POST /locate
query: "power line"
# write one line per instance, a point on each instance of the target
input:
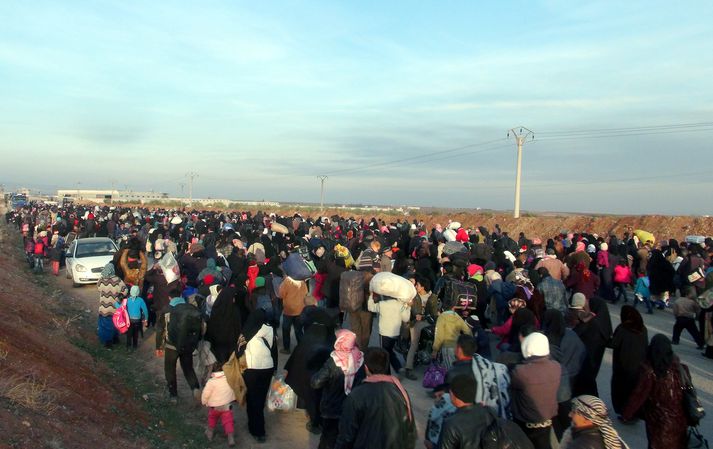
(632, 128)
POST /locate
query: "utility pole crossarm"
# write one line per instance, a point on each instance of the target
(521, 134)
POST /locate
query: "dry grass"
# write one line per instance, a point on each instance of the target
(66, 323)
(29, 392)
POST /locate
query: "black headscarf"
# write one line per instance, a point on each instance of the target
(554, 326)
(223, 326)
(521, 318)
(253, 324)
(660, 354)
(631, 319)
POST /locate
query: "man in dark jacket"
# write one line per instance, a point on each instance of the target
(463, 430)
(423, 305)
(466, 346)
(534, 385)
(167, 349)
(377, 414)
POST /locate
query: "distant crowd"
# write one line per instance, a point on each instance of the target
(226, 292)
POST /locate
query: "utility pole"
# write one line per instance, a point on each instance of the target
(190, 176)
(113, 190)
(321, 194)
(182, 185)
(521, 135)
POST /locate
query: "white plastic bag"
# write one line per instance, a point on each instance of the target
(281, 396)
(170, 269)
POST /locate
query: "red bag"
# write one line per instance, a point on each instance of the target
(121, 318)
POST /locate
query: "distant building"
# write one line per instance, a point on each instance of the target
(100, 196)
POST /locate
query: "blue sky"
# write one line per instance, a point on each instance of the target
(259, 98)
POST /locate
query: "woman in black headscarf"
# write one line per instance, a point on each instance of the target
(661, 273)
(307, 358)
(223, 326)
(629, 343)
(257, 342)
(659, 395)
(567, 349)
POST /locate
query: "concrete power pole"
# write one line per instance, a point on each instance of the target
(521, 135)
(190, 176)
(321, 194)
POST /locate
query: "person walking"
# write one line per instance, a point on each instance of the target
(111, 290)
(659, 395)
(534, 385)
(138, 314)
(591, 426)
(423, 306)
(293, 293)
(342, 371)
(377, 414)
(167, 348)
(257, 342)
(686, 310)
(218, 397)
(629, 343)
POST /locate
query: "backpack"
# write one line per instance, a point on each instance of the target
(462, 295)
(351, 291)
(120, 318)
(184, 327)
(504, 434)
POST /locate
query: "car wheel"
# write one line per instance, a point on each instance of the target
(76, 285)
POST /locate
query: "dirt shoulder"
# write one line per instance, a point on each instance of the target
(58, 387)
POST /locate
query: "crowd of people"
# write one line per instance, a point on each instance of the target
(220, 287)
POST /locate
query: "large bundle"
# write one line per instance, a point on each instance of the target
(454, 225)
(393, 286)
(696, 239)
(449, 235)
(454, 247)
(279, 228)
(351, 291)
(296, 267)
(644, 236)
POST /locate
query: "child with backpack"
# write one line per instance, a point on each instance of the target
(39, 254)
(138, 314)
(218, 397)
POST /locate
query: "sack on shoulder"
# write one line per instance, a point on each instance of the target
(233, 370)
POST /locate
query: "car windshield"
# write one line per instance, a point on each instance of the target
(95, 249)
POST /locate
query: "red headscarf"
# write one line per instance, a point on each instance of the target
(347, 357)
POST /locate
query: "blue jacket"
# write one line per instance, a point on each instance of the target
(135, 306)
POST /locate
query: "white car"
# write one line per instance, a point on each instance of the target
(86, 258)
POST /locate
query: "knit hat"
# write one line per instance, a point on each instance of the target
(490, 266)
(604, 247)
(535, 345)
(259, 282)
(134, 291)
(578, 301)
(474, 268)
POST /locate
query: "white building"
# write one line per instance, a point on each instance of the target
(100, 196)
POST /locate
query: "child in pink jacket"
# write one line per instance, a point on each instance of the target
(622, 278)
(217, 395)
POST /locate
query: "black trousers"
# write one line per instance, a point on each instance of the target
(388, 343)
(688, 323)
(330, 432)
(257, 382)
(539, 437)
(132, 335)
(169, 369)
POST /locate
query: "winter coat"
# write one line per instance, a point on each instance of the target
(660, 272)
(111, 290)
(161, 290)
(392, 313)
(661, 400)
(463, 429)
(622, 274)
(555, 267)
(418, 308)
(307, 358)
(629, 353)
(191, 266)
(217, 391)
(588, 438)
(330, 379)
(375, 415)
(293, 295)
(448, 327)
(579, 284)
(534, 384)
(134, 276)
(258, 354)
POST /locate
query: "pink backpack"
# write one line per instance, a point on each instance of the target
(121, 318)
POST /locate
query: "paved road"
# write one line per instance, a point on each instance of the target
(286, 430)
